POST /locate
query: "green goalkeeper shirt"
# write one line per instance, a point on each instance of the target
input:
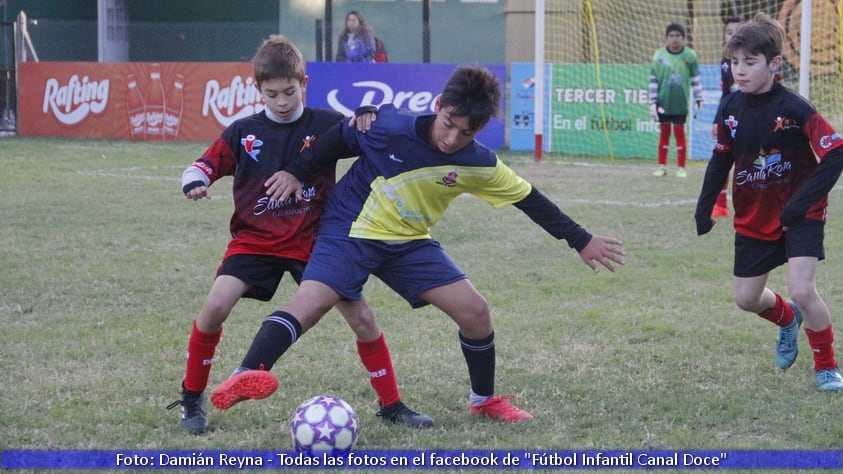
(672, 78)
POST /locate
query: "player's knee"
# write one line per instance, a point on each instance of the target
(747, 302)
(802, 294)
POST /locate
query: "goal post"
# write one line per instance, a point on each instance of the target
(592, 63)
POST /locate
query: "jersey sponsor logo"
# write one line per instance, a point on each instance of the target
(393, 158)
(784, 123)
(77, 99)
(449, 179)
(251, 144)
(306, 142)
(769, 170)
(827, 140)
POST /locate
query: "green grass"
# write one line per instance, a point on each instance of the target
(105, 264)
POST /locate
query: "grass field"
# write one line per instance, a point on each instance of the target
(104, 265)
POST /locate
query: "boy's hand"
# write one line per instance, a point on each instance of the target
(603, 250)
(654, 114)
(363, 122)
(281, 185)
(198, 193)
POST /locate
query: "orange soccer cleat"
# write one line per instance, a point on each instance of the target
(499, 408)
(248, 385)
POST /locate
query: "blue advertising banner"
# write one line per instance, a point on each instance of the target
(522, 96)
(346, 86)
(478, 459)
(701, 143)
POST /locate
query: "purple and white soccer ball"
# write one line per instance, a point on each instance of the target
(324, 424)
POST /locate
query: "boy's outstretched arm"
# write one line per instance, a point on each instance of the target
(319, 153)
(593, 249)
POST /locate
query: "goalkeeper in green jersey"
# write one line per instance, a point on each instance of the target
(674, 75)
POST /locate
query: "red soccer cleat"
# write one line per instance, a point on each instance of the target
(248, 385)
(499, 408)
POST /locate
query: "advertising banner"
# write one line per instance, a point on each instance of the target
(603, 114)
(196, 101)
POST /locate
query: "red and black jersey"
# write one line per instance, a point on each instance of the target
(251, 150)
(776, 141)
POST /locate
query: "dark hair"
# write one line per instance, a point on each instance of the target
(473, 92)
(276, 58)
(675, 27)
(360, 18)
(762, 35)
(733, 19)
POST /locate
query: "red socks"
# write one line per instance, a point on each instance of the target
(200, 356)
(377, 360)
(820, 343)
(781, 314)
(681, 147)
(664, 142)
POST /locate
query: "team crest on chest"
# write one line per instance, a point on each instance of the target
(251, 144)
(732, 124)
(449, 179)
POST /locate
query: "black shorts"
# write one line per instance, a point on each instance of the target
(263, 272)
(755, 257)
(674, 119)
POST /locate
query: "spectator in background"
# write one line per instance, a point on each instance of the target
(357, 40)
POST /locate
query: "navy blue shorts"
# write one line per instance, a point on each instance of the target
(410, 268)
(755, 257)
(263, 272)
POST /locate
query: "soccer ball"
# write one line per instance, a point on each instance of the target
(324, 424)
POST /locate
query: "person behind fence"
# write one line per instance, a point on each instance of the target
(787, 158)
(410, 168)
(357, 40)
(674, 74)
(270, 237)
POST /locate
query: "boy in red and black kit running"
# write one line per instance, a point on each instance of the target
(787, 158)
(271, 237)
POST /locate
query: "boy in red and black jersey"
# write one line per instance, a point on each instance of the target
(787, 158)
(271, 237)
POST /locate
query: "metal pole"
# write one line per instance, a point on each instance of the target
(319, 45)
(805, 50)
(329, 41)
(538, 122)
(426, 31)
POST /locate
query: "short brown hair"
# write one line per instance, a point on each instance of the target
(762, 35)
(277, 57)
(473, 92)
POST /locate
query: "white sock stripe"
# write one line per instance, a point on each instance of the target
(484, 347)
(286, 324)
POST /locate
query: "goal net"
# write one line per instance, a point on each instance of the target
(598, 53)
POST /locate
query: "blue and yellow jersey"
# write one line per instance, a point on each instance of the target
(400, 186)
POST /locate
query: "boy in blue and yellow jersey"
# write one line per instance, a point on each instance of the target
(378, 219)
(787, 158)
(271, 237)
